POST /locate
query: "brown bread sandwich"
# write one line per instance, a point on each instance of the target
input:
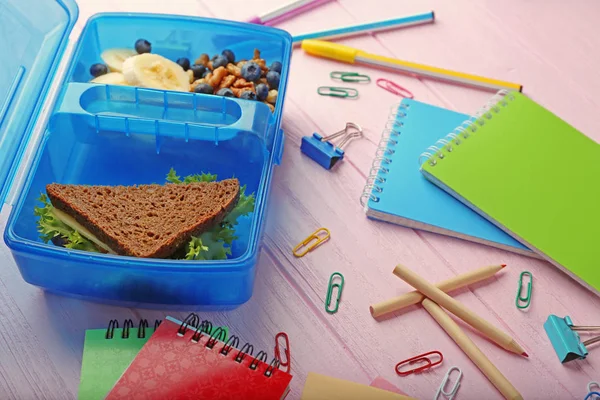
(190, 219)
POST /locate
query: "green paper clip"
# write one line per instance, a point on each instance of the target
(337, 92)
(519, 298)
(340, 287)
(350, 77)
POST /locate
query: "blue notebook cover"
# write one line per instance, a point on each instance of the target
(397, 192)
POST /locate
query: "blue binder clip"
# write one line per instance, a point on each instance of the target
(565, 339)
(327, 154)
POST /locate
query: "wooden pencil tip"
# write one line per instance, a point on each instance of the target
(525, 354)
(503, 265)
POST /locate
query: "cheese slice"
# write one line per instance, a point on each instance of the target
(73, 224)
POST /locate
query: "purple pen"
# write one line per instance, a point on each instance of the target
(287, 11)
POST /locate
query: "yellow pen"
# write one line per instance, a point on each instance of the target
(335, 51)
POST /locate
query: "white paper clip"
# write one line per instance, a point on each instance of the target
(592, 387)
(449, 395)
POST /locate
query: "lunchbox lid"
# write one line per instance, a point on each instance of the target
(34, 36)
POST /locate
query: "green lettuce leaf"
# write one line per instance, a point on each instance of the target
(50, 227)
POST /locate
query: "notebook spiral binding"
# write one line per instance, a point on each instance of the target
(127, 325)
(385, 148)
(206, 327)
(464, 131)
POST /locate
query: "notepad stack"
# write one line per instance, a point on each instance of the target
(177, 360)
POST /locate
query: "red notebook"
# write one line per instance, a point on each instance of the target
(180, 361)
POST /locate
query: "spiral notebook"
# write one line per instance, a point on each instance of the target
(532, 174)
(396, 191)
(108, 352)
(184, 361)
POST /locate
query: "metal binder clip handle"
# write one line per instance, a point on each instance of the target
(325, 153)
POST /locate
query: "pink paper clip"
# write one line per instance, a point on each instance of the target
(394, 88)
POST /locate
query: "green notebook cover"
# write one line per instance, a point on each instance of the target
(104, 360)
(533, 175)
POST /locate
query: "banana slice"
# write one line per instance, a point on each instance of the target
(112, 78)
(154, 71)
(114, 58)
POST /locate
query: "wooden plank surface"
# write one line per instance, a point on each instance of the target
(550, 47)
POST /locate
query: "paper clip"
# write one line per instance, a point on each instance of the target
(286, 351)
(593, 388)
(590, 394)
(337, 92)
(394, 88)
(417, 359)
(449, 395)
(565, 339)
(520, 298)
(350, 77)
(315, 239)
(325, 153)
(331, 286)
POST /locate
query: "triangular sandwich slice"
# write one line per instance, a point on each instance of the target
(151, 221)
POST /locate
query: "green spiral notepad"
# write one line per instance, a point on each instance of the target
(107, 353)
(533, 175)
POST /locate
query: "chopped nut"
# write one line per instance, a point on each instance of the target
(272, 97)
(202, 60)
(208, 77)
(209, 65)
(242, 83)
(256, 54)
(190, 75)
(262, 64)
(234, 69)
(217, 76)
(272, 107)
(241, 63)
(237, 91)
(263, 80)
(227, 81)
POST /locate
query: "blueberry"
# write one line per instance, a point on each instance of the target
(199, 70)
(98, 69)
(251, 71)
(262, 91)
(220, 61)
(208, 71)
(229, 54)
(143, 46)
(204, 88)
(248, 95)
(225, 92)
(276, 66)
(184, 62)
(273, 79)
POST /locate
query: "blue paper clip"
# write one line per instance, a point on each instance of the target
(326, 153)
(565, 340)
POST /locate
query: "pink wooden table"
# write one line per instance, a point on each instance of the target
(550, 47)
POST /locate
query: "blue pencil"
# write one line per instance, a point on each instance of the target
(369, 27)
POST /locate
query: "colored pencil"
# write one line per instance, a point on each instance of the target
(458, 309)
(370, 27)
(415, 297)
(287, 11)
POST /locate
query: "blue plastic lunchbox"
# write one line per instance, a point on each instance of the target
(120, 135)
